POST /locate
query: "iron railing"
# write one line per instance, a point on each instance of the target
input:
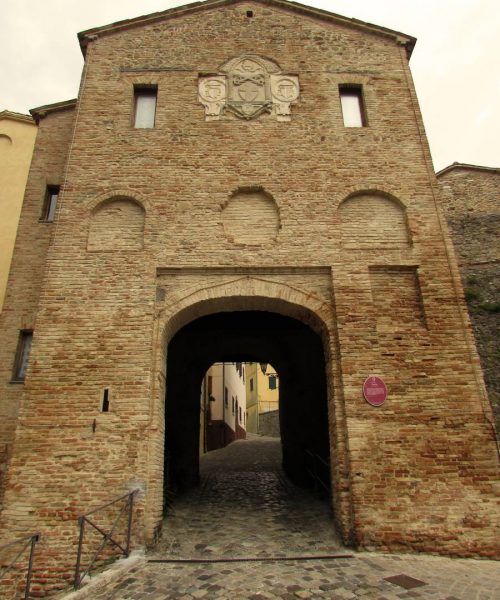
(107, 535)
(30, 541)
(318, 469)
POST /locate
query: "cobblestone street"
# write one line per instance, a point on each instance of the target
(245, 507)
(248, 534)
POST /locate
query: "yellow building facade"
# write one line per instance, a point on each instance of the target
(262, 387)
(17, 139)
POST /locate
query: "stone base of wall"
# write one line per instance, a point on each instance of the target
(241, 434)
(219, 435)
(269, 424)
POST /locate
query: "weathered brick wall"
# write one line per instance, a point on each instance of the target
(28, 265)
(251, 217)
(472, 207)
(370, 220)
(415, 473)
(117, 225)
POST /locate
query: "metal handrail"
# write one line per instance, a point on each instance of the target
(31, 541)
(317, 459)
(107, 536)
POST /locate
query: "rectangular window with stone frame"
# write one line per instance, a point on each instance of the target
(145, 106)
(353, 105)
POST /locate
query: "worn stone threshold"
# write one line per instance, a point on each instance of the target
(250, 558)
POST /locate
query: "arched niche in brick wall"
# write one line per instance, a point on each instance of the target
(251, 216)
(117, 223)
(372, 219)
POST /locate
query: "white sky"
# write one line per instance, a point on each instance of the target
(455, 63)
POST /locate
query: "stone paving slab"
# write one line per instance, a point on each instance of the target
(247, 508)
(361, 577)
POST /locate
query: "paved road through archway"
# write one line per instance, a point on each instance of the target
(246, 507)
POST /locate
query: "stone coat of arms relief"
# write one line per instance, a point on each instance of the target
(248, 86)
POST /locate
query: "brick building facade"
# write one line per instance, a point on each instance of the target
(250, 215)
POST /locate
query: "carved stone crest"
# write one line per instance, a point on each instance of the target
(212, 94)
(248, 86)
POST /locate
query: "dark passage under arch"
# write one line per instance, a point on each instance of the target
(292, 347)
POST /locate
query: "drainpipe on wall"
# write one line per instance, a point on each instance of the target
(257, 397)
(205, 414)
(223, 405)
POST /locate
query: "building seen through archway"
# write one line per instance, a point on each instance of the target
(263, 399)
(291, 346)
(223, 416)
(237, 398)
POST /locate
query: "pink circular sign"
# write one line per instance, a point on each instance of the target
(374, 390)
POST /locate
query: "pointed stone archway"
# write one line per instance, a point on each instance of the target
(252, 313)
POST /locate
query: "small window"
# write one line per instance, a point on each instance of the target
(239, 414)
(105, 401)
(251, 384)
(353, 109)
(144, 106)
(50, 203)
(232, 405)
(209, 384)
(226, 395)
(272, 382)
(22, 354)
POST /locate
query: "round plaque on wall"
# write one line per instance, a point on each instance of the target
(374, 390)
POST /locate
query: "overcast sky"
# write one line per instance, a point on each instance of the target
(455, 65)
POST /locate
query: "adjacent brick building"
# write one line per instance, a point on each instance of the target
(471, 201)
(242, 181)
